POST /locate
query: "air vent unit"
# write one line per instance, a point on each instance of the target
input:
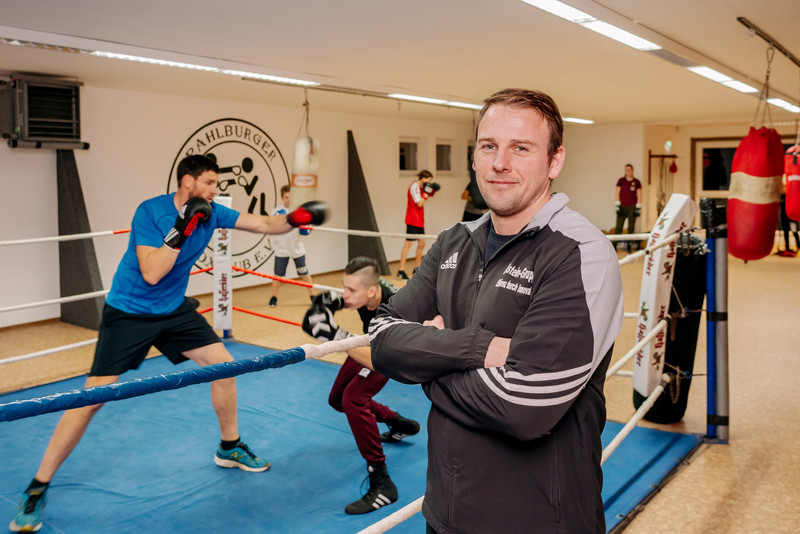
(41, 112)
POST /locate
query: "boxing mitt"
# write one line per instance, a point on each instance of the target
(311, 212)
(429, 189)
(332, 300)
(196, 210)
(638, 210)
(617, 207)
(319, 323)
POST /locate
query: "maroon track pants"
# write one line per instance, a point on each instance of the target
(352, 393)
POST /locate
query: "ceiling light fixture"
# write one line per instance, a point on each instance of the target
(739, 86)
(577, 120)
(620, 35)
(781, 103)
(413, 98)
(710, 73)
(589, 22)
(244, 74)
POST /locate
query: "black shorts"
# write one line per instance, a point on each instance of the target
(299, 265)
(125, 338)
(414, 230)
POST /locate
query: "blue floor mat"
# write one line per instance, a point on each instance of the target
(146, 464)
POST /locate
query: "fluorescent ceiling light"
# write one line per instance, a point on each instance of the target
(437, 101)
(153, 61)
(739, 86)
(464, 105)
(577, 120)
(710, 73)
(618, 34)
(178, 64)
(781, 103)
(247, 75)
(571, 14)
(413, 98)
(267, 77)
(560, 9)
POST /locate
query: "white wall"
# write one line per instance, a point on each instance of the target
(135, 138)
(595, 159)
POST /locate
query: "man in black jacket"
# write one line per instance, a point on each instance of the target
(509, 326)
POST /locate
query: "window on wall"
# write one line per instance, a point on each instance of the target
(444, 160)
(711, 165)
(408, 156)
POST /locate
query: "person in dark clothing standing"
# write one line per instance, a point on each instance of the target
(628, 201)
(509, 325)
(357, 382)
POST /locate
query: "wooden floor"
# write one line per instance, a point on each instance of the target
(746, 486)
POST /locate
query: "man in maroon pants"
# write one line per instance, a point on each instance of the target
(357, 382)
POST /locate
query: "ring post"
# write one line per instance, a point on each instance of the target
(223, 290)
(714, 220)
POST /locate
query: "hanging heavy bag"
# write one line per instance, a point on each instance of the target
(754, 195)
(305, 169)
(792, 171)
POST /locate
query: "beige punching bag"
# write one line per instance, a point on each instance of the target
(305, 167)
(304, 171)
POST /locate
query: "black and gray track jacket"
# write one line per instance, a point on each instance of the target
(514, 449)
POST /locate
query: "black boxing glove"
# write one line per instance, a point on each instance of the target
(196, 211)
(312, 212)
(333, 300)
(319, 323)
(429, 189)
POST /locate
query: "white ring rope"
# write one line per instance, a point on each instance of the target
(640, 413)
(394, 519)
(627, 237)
(71, 237)
(369, 233)
(630, 258)
(340, 345)
(662, 324)
(71, 298)
(48, 351)
(365, 233)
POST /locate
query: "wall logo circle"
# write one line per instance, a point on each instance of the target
(252, 171)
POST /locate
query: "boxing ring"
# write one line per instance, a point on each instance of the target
(284, 412)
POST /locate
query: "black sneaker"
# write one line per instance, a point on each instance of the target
(273, 302)
(399, 428)
(382, 491)
(402, 275)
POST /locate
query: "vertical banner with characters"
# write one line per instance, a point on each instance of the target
(656, 290)
(252, 171)
(223, 291)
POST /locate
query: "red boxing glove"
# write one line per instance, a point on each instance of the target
(196, 210)
(429, 189)
(312, 212)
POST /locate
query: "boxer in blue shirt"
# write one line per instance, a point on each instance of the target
(147, 307)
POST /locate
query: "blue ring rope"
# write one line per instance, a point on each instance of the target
(143, 386)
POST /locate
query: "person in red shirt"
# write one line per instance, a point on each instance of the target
(419, 191)
(628, 201)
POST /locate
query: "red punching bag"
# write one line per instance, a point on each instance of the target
(754, 195)
(792, 171)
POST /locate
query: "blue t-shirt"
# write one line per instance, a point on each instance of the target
(151, 222)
